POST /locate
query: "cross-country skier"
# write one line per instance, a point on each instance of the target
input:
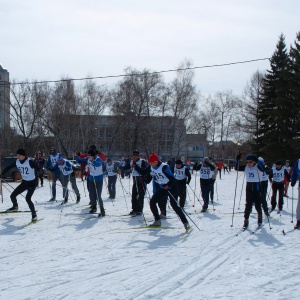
(28, 169)
(55, 172)
(277, 178)
(163, 176)
(68, 175)
(253, 186)
(286, 180)
(183, 177)
(112, 171)
(40, 161)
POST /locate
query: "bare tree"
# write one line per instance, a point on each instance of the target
(184, 99)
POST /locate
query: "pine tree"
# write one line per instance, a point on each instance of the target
(295, 83)
(275, 130)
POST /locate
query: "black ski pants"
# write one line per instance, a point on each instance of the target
(253, 195)
(138, 194)
(277, 186)
(25, 185)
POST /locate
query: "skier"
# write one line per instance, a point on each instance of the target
(253, 186)
(263, 178)
(68, 175)
(28, 169)
(220, 165)
(295, 176)
(55, 172)
(95, 179)
(111, 169)
(206, 173)
(286, 181)
(139, 186)
(40, 161)
(163, 176)
(276, 178)
(183, 177)
(213, 180)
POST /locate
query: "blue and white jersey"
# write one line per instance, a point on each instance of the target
(27, 172)
(66, 168)
(95, 167)
(263, 176)
(278, 175)
(205, 172)
(110, 169)
(138, 163)
(180, 173)
(159, 176)
(54, 158)
(252, 174)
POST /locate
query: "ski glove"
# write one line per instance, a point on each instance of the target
(293, 183)
(164, 186)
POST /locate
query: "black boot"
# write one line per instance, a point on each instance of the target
(259, 220)
(246, 223)
(78, 199)
(297, 226)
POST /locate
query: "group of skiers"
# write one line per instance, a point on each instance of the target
(169, 182)
(257, 176)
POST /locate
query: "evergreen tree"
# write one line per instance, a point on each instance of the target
(276, 124)
(295, 82)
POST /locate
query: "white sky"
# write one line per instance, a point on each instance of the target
(45, 40)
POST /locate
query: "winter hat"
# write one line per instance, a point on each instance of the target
(250, 157)
(109, 160)
(153, 158)
(60, 161)
(21, 152)
(93, 147)
(92, 153)
(135, 153)
(206, 159)
(278, 162)
(178, 162)
(261, 160)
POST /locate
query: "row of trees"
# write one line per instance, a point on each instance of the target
(265, 116)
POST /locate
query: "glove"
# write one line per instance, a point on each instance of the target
(238, 157)
(164, 186)
(293, 183)
(133, 165)
(187, 182)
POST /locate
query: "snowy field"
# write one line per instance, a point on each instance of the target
(68, 256)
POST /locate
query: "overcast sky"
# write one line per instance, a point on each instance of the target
(45, 40)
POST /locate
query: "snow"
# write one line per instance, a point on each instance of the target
(67, 256)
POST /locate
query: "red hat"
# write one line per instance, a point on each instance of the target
(152, 158)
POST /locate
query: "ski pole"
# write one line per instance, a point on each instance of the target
(242, 190)
(237, 173)
(185, 212)
(195, 189)
(196, 195)
(292, 204)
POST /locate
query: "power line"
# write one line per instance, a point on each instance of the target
(141, 74)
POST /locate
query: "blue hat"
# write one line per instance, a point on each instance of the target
(250, 157)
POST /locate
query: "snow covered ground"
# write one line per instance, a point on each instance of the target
(67, 256)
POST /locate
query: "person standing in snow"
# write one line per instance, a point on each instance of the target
(55, 172)
(111, 169)
(95, 178)
(40, 161)
(28, 169)
(295, 177)
(213, 180)
(252, 171)
(206, 173)
(138, 186)
(263, 178)
(68, 175)
(286, 180)
(166, 181)
(220, 165)
(183, 177)
(277, 178)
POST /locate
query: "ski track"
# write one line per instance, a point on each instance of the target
(66, 256)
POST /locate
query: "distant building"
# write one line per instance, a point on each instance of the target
(4, 99)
